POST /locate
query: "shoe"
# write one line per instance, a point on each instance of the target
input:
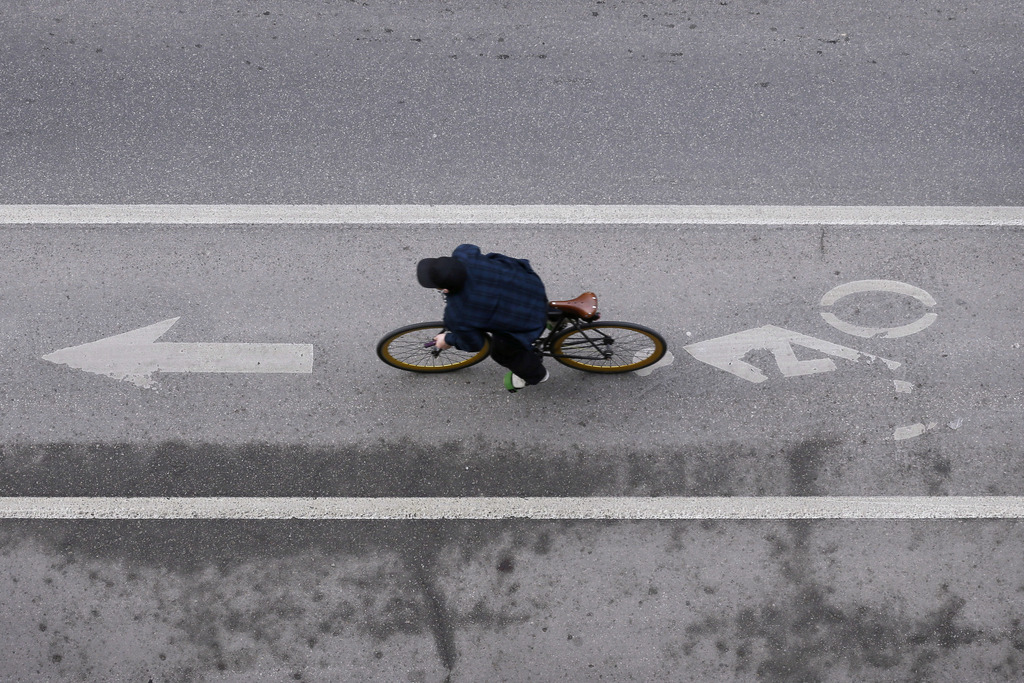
(514, 382)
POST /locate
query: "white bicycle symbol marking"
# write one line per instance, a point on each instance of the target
(727, 353)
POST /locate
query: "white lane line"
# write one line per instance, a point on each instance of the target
(625, 508)
(507, 214)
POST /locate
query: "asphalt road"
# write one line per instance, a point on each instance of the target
(345, 102)
(381, 102)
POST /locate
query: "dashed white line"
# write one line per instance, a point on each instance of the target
(483, 508)
(508, 214)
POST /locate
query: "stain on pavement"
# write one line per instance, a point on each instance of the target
(801, 633)
(441, 600)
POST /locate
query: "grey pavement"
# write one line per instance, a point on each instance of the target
(384, 102)
(605, 102)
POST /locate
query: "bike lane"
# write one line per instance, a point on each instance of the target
(754, 317)
(707, 597)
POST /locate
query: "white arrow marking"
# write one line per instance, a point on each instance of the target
(910, 431)
(903, 387)
(665, 361)
(726, 353)
(134, 356)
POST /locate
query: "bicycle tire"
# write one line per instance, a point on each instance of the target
(591, 347)
(404, 349)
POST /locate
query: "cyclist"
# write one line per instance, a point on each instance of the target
(491, 294)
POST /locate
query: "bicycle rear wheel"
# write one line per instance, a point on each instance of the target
(609, 347)
(404, 349)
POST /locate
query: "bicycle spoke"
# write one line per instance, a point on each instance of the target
(407, 348)
(611, 347)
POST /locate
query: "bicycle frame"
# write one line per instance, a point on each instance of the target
(559, 322)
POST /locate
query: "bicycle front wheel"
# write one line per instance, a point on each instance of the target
(609, 347)
(404, 349)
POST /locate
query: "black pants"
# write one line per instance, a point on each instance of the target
(524, 362)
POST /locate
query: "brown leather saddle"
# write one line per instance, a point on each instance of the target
(584, 306)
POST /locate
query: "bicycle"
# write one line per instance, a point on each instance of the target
(573, 337)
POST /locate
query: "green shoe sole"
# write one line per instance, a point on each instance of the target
(508, 383)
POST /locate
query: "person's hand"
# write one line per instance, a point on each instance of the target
(441, 343)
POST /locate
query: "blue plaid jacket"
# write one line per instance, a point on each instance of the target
(501, 294)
